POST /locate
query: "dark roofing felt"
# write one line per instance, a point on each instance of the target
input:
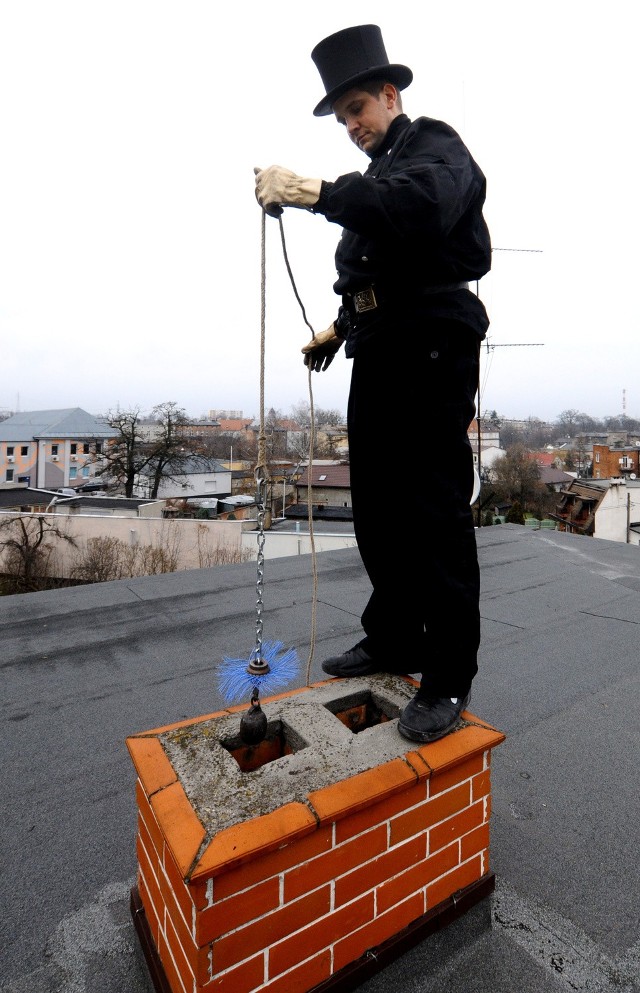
(559, 675)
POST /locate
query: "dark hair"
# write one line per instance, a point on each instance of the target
(374, 87)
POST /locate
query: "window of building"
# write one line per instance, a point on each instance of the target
(54, 449)
(85, 448)
(98, 448)
(73, 472)
(24, 450)
(85, 471)
(10, 449)
(597, 456)
(73, 448)
(9, 475)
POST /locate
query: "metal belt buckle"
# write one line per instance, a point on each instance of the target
(365, 300)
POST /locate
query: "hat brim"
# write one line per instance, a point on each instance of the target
(399, 75)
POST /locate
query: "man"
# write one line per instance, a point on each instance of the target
(413, 236)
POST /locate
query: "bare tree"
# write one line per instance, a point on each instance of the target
(123, 458)
(133, 451)
(170, 455)
(516, 477)
(29, 543)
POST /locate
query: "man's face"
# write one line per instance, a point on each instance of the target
(367, 117)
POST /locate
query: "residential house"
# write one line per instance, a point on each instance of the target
(330, 487)
(50, 449)
(616, 460)
(197, 476)
(484, 462)
(601, 508)
(555, 479)
(488, 436)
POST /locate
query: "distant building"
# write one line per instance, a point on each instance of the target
(50, 449)
(619, 460)
(601, 508)
(330, 485)
(197, 476)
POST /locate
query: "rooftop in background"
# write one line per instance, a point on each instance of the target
(72, 422)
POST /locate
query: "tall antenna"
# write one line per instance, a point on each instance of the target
(490, 348)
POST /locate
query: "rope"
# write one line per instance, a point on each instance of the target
(262, 439)
(262, 455)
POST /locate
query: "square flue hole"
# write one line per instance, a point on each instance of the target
(363, 710)
(280, 740)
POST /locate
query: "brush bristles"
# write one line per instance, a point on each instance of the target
(236, 682)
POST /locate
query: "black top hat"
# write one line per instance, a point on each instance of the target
(352, 56)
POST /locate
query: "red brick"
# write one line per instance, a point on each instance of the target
(171, 972)
(154, 894)
(295, 853)
(309, 875)
(379, 813)
(246, 976)
(445, 886)
(322, 934)
(480, 785)
(182, 956)
(150, 914)
(431, 812)
(474, 842)
(457, 774)
(372, 873)
(454, 827)
(227, 915)
(306, 976)
(181, 892)
(417, 878)
(353, 946)
(233, 948)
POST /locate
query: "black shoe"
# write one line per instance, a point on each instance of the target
(429, 718)
(354, 662)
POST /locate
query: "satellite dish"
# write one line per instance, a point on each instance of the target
(476, 487)
(632, 475)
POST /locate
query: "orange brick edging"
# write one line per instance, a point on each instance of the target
(287, 901)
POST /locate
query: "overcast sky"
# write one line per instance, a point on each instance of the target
(130, 263)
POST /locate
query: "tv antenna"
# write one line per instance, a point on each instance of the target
(491, 348)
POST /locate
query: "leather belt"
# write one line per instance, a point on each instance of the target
(370, 298)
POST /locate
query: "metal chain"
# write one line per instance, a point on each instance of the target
(257, 664)
(260, 500)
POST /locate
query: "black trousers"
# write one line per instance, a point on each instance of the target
(411, 400)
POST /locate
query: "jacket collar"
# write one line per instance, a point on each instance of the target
(397, 126)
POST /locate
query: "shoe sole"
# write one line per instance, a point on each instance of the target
(423, 736)
(335, 671)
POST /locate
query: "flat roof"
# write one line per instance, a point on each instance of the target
(84, 668)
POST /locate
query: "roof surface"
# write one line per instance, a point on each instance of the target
(84, 668)
(71, 422)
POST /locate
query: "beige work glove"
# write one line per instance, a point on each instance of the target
(276, 187)
(320, 352)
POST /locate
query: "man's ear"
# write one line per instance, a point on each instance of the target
(390, 94)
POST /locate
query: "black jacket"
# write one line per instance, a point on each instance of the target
(413, 221)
